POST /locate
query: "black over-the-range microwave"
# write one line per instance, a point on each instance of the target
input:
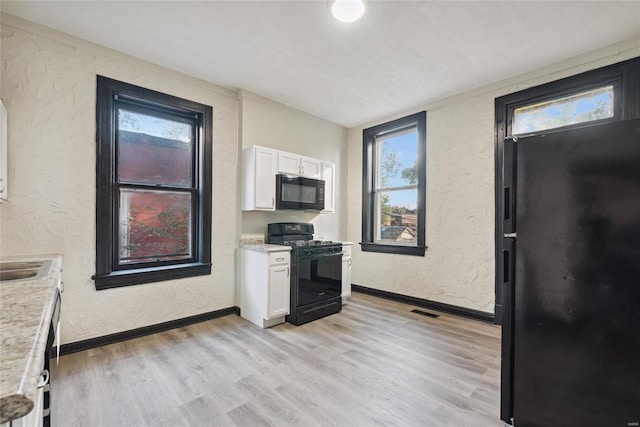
(299, 193)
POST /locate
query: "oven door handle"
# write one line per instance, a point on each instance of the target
(316, 256)
(321, 256)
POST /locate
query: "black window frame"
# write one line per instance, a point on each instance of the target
(369, 135)
(112, 95)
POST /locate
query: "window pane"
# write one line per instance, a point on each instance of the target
(396, 162)
(154, 226)
(587, 106)
(396, 216)
(154, 150)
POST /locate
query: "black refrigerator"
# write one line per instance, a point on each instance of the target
(571, 331)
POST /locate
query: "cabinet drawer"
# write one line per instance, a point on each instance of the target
(277, 258)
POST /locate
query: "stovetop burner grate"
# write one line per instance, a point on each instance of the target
(296, 235)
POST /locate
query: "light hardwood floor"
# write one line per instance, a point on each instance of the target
(374, 364)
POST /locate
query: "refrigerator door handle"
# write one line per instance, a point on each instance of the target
(507, 203)
(506, 267)
(508, 261)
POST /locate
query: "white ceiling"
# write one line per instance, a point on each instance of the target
(401, 54)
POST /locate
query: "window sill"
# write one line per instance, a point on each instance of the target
(393, 249)
(140, 276)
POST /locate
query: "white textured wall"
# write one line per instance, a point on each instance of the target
(270, 124)
(49, 87)
(458, 267)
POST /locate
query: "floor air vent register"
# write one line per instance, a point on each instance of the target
(426, 313)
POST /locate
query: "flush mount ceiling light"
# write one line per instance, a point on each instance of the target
(347, 10)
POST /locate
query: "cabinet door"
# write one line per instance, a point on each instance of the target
(329, 177)
(265, 179)
(311, 168)
(278, 291)
(346, 277)
(288, 163)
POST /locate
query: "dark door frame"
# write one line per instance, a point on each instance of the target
(625, 76)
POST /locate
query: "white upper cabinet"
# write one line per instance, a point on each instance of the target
(329, 178)
(311, 168)
(259, 167)
(294, 164)
(288, 163)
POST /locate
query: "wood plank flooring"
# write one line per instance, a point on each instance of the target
(374, 364)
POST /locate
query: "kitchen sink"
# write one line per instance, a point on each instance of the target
(5, 266)
(24, 270)
(17, 274)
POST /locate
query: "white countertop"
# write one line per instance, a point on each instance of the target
(26, 308)
(267, 247)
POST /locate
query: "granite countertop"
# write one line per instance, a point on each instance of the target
(267, 247)
(26, 308)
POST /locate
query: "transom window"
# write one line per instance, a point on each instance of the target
(154, 186)
(394, 177)
(586, 106)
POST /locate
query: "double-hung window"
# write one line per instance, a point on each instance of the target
(394, 186)
(153, 207)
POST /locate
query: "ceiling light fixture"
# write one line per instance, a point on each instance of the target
(347, 10)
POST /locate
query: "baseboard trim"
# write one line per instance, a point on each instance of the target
(425, 303)
(145, 330)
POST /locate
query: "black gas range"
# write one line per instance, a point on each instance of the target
(316, 271)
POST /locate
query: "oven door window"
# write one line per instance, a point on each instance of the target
(319, 278)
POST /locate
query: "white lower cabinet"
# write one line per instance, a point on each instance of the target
(346, 271)
(265, 285)
(279, 284)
